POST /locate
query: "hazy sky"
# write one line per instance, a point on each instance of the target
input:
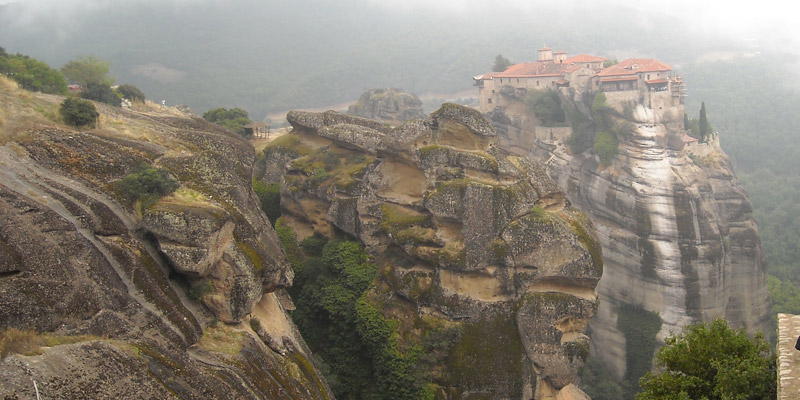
(777, 19)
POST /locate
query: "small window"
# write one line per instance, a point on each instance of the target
(517, 80)
(537, 83)
(492, 90)
(490, 101)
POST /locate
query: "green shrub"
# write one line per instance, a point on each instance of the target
(100, 92)
(314, 244)
(547, 107)
(77, 112)
(147, 185)
(234, 119)
(269, 195)
(255, 324)
(200, 288)
(599, 101)
(606, 146)
(131, 93)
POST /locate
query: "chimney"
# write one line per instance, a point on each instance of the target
(559, 56)
(546, 54)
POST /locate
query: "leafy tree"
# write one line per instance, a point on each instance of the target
(86, 69)
(32, 74)
(77, 112)
(501, 63)
(146, 185)
(703, 123)
(101, 92)
(131, 93)
(712, 361)
(234, 119)
(599, 101)
(606, 146)
(269, 195)
(547, 106)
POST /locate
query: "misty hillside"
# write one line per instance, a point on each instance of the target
(274, 56)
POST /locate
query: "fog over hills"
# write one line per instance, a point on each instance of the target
(273, 56)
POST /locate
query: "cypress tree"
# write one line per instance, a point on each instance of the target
(703, 122)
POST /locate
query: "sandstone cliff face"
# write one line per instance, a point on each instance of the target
(393, 106)
(466, 235)
(99, 286)
(676, 228)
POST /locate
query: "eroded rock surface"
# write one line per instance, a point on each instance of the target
(388, 105)
(112, 299)
(676, 227)
(468, 235)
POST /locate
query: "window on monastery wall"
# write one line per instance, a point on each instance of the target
(490, 101)
(517, 80)
(537, 83)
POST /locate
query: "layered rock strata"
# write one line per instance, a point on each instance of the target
(467, 235)
(103, 298)
(676, 227)
(388, 105)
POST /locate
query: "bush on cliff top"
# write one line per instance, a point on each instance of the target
(79, 113)
(147, 185)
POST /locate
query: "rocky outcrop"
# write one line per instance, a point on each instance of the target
(389, 105)
(101, 297)
(676, 228)
(468, 235)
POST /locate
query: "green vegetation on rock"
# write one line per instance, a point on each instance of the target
(100, 92)
(712, 361)
(79, 113)
(606, 146)
(87, 69)
(147, 185)
(640, 327)
(234, 119)
(547, 107)
(269, 197)
(130, 92)
(32, 74)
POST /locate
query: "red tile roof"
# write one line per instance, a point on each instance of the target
(656, 81)
(533, 69)
(634, 66)
(584, 58)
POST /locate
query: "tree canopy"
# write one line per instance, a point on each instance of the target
(547, 107)
(703, 123)
(86, 69)
(101, 92)
(32, 74)
(77, 112)
(712, 361)
(501, 63)
(234, 119)
(131, 93)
